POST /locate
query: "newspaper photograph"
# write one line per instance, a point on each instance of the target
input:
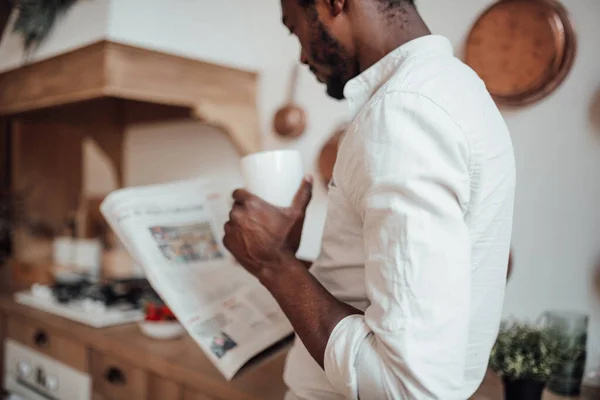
(173, 231)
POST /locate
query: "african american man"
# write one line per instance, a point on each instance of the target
(405, 299)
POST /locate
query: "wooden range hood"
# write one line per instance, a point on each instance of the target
(95, 92)
(221, 96)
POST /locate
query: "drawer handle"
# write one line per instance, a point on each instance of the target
(41, 338)
(115, 376)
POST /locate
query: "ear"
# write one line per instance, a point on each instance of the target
(336, 6)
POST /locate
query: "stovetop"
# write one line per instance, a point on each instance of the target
(108, 293)
(94, 304)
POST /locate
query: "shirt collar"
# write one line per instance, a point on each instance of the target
(361, 88)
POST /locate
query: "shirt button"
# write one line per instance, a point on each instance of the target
(394, 325)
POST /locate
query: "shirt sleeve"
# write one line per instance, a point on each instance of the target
(406, 172)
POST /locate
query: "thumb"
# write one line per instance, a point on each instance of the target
(303, 195)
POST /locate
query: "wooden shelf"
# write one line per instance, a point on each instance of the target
(221, 96)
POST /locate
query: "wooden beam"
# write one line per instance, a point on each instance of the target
(238, 121)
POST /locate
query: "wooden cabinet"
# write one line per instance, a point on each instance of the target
(191, 394)
(163, 389)
(112, 377)
(48, 341)
(160, 388)
(122, 363)
(116, 379)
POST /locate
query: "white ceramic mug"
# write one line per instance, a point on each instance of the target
(274, 176)
(63, 251)
(88, 257)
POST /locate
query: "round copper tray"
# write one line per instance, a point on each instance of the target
(522, 49)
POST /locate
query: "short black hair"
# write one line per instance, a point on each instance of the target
(387, 4)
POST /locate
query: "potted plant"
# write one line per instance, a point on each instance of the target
(35, 19)
(526, 356)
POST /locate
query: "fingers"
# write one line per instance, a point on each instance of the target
(303, 195)
(242, 195)
(227, 237)
(235, 213)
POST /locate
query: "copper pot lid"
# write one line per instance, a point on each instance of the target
(522, 49)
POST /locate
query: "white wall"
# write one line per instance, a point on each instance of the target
(213, 29)
(557, 141)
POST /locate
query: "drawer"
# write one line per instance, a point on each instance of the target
(163, 389)
(117, 380)
(48, 341)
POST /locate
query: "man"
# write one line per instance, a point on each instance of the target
(405, 300)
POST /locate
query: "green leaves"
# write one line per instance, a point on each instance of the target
(523, 351)
(36, 18)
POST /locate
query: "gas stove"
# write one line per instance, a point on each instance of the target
(94, 304)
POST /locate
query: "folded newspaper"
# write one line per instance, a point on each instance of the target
(173, 231)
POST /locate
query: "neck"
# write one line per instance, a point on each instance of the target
(379, 35)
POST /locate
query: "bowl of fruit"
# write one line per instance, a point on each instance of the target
(160, 322)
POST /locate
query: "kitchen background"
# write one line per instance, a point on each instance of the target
(556, 239)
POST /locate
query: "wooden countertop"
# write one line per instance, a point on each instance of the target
(180, 360)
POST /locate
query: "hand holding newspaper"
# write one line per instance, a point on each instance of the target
(173, 231)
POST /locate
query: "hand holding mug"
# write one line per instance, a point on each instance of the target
(260, 235)
(266, 220)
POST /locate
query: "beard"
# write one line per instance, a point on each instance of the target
(327, 51)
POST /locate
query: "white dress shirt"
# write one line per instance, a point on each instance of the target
(417, 234)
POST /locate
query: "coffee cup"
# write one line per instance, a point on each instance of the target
(274, 176)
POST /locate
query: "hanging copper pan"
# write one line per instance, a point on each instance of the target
(290, 120)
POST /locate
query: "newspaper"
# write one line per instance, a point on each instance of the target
(173, 231)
